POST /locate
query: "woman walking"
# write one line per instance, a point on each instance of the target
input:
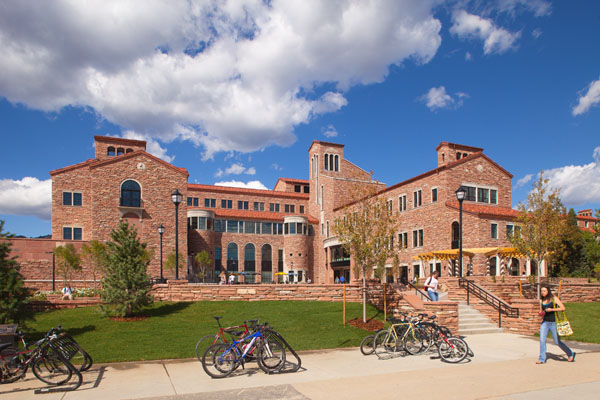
(549, 305)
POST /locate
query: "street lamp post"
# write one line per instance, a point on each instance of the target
(161, 230)
(176, 197)
(460, 196)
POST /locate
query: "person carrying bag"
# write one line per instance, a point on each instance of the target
(550, 307)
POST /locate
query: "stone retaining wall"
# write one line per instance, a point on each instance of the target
(57, 303)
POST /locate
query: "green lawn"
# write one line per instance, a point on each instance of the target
(174, 328)
(585, 321)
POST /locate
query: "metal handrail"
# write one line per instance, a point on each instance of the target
(499, 304)
(418, 291)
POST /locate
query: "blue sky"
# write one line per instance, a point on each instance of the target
(237, 92)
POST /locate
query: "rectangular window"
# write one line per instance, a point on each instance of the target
(220, 225)
(306, 189)
(67, 198)
(226, 203)
(421, 237)
(327, 228)
(297, 188)
(402, 203)
(76, 233)
(67, 233)
(434, 195)
(77, 199)
(390, 206)
(417, 198)
(418, 238)
(483, 195)
(274, 207)
(193, 222)
(189, 201)
(301, 209)
(292, 228)
(471, 193)
(232, 226)
(249, 227)
(290, 208)
(242, 205)
(210, 203)
(494, 231)
(202, 223)
(493, 196)
(267, 228)
(259, 206)
(509, 230)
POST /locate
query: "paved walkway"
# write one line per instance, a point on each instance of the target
(503, 367)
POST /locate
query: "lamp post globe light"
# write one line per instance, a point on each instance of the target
(161, 230)
(461, 193)
(176, 197)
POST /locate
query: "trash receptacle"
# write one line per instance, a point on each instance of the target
(7, 333)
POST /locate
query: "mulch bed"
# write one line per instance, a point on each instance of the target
(129, 319)
(372, 324)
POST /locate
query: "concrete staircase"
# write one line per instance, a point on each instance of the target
(473, 322)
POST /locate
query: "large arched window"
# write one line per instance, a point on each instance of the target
(232, 257)
(249, 263)
(266, 263)
(131, 194)
(120, 151)
(110, 151)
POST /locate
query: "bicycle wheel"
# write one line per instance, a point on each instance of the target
(204, 342)
(453, 350)
(366, 346)
(218, 360)
(271, 355)
(412, 342)
(52, 370)
(14, 365)
(422, 334)
(386, 344)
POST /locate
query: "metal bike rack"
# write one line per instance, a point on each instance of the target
(295, 366)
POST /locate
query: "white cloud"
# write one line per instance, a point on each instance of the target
(152, 145)
(236, 169)
(468, 56)
(589, 99)
(495, 39)
(28, 196)
(540, 8)
(536, 33)
(437, 98)
(579, 184)
(276, 167)
(238, 184)
(329, 131)
(236, 75)
(524, 181)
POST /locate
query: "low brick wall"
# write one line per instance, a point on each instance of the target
(57, 303)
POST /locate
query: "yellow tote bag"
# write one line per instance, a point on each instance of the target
(563, 326)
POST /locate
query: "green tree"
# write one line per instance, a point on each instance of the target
(94, 254)
(592, 256)
(204, 261)
(541, 223)
(13, 294)
(126, 284)
(170, 263)
(569, 255)
(68, 261)
(366, 230)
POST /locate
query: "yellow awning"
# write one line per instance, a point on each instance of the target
(442, 255)
(470, 252)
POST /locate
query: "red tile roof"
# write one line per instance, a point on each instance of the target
(255, 215)
(587, 218)
(258, 192)
(303, 181)
(111, 139)
(93, 163)
(460, 146)
(484, 210)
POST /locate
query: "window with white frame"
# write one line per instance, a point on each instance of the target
(402, 203)
(72, 233)
(434, 195)
(417, 198)
(481, 194)
(390, 206)
(418, 238)
(509, 230)
(494, 230)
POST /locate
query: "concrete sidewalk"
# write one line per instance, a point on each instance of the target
(503, 367)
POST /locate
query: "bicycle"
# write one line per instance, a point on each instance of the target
(450, 348)
(220, 359)
(367, 345)
(47, 362)
(401, 335)
(208, 340)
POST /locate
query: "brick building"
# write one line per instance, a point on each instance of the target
(257, 233)
(586, 220)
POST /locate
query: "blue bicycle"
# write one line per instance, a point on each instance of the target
(220, 359)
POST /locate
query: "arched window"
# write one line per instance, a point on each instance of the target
(515, 269)
(129, 151)
(455, 235)
(249, 262)
(331, 162)
(110, 151)
(131, 194)
(120, 151)
(232, 257)
(326, 166)
(337, 163)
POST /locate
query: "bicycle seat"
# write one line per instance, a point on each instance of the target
(432, 317)
(217, 318)
(235, 333)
